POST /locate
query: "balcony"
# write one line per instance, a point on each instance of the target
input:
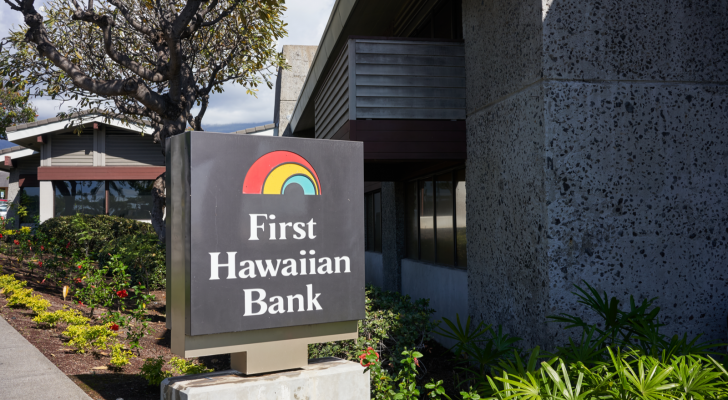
(404, 98)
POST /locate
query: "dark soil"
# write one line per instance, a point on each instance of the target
(90, 371)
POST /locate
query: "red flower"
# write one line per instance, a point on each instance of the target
(369, 352)
(114, 327)
(68, 245)
(80, 303)
(78, 280)
(79, 267)
(40, 264)
(41, 247)
(16, 241)
(122, 293)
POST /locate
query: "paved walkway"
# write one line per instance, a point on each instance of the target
(25, 373)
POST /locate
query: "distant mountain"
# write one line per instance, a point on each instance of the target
(233, 127)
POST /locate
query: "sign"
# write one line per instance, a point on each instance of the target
(270, 231)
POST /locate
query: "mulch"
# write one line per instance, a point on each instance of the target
(89, 371)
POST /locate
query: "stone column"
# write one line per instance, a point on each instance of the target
(393, 234)
(596, 152)
(289, 84)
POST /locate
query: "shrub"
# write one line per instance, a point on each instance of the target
(143, 254)
(25, 298)
(392, 323)
(152, 371)
(69, 316)
(622, 356)
(9, 284)
(89, 337)
(89, 233)
(120, 356)
(98, 237)
(184, 367)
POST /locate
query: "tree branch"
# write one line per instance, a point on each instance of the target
(106, 22)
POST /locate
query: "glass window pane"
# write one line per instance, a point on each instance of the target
(79, 197)
(369, 204)
(131, 199)
(444, 212)
(30, 199)
(378, 222)
(427, 223)
(460, 218)
(412, 230)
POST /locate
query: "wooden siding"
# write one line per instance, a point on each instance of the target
(71, 149)
(131, 149)
(409, 79)
(392, 79)
(331, 107)
(28, 165)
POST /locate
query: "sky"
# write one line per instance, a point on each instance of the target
(233, 109)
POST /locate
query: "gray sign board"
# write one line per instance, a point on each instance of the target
(275, 231)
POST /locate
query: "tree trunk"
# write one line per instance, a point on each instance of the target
(159, 206)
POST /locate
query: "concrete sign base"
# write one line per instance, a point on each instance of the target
(321, 379)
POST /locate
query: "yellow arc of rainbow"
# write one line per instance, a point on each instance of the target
(275, 180)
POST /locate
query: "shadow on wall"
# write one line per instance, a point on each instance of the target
(596, 152)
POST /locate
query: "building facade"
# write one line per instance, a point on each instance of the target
(85, 164)
(591, 137)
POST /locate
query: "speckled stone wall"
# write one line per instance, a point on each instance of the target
(597, 150)
(637, 194)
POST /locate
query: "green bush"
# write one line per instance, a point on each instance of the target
(144, 256)
(98, 237)
(392, 323)
(623, 355)
(89, 233)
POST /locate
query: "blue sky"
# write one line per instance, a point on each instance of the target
(233, 109)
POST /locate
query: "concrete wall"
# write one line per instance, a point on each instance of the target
(290, 82)
(445, 287)
(597, 152)
(373, 275)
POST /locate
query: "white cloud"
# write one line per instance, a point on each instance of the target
(306, 21)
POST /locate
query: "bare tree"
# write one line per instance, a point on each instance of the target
(144, 60)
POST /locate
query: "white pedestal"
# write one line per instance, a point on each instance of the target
(322, 379)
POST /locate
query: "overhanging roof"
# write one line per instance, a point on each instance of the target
(348, 17)
(56, 124)
(14, 153)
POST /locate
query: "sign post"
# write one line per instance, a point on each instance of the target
(265, 246)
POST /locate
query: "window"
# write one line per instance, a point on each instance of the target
(131, 199)
(30, 199)
(443, 22)
(79, 197)
(128, 199)
(373, 215)
(435, 208)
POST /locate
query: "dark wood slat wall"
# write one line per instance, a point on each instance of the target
(409, 79)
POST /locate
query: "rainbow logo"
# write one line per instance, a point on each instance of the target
(275, 171)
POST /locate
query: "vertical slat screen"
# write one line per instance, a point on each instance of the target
(331, 107)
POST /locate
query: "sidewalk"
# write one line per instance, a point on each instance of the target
(25, 373)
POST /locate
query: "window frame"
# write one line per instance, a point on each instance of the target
(372, 247)
(105, 190)
(432, 178)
